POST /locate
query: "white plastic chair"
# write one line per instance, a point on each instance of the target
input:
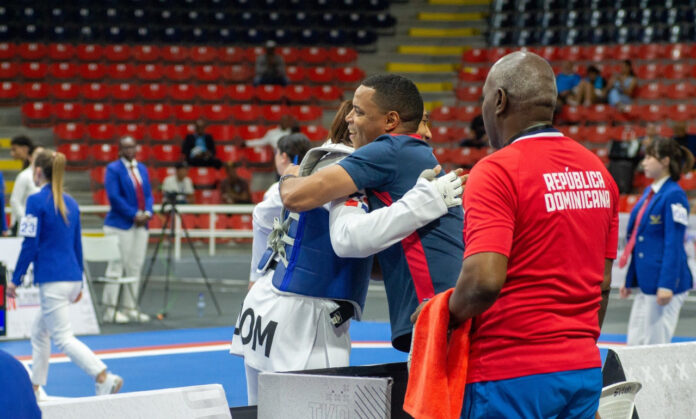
(105, 249)
(618, 400)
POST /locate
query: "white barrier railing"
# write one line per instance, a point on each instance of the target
(210, 233)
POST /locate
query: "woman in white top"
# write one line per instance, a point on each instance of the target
(23, 187)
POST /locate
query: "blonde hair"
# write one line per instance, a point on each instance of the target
(52, 165)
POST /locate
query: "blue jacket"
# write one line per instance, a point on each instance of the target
(3, 223)
(53, 246)
(659, 258)
(121, 193)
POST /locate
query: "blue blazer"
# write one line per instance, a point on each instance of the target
(659, 258)
(53, 246)
(121, 193)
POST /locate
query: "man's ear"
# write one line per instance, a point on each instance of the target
(391, 121)
(501, 100)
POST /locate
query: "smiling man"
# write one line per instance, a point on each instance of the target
(389, 157)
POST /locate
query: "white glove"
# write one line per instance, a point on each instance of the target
(449, 186)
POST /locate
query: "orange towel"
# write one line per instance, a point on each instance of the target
(438, 367)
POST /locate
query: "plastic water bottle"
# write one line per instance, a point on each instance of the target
(201, 304)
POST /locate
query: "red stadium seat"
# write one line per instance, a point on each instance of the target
(238, 73)
(570, 53)
(136, 131)
(443, 134)
(627, 202)
(146, 53)
(295, 73)
(684, 90)
(32, 51)
(95, 91)
(598, 134)
(61, 52)
(203, 176)
(628, 132)
(572, 114)
(92, 71)
(468, 156)
(74, 152)
(207, 196)
(121, 71)
(104, 152)
(290, 55)
(34, 70)
(467, 113)
(473, 74)
(63, 70)
(9, 91)
(273, 113)
(598, 53)
(228, 153)
(183, 130)
(475, 55)
(250, 132)
(665, 130)
(177, 72)
(651, 91)
(320, 75)
(625, 52)
(153, 91)
(576, 132)
(117, 53)
(648, 52)
(35, 91)
(443, 113)
(97, 174)
(123, 91)
(678, 51)
(216, 112)
(101, 132)
(166, 153)
(232, 55)
(162, 173)
(150, 72)
(204, 54)
(468, 93)
(65, 91)
(648, 71)
(8, 50)
(142, 152)
(550, 53)
(652, 112)
(599, 113)
(253, 52)
(327, 93)
(182, 92)
(97, 111)
(298, 93)
(210, 92)
(494, 54)
(67, 111)
(162, 132)
(314, 55)
(157, 111)
(89, 52)
(688, 181)
(315, 132)
(222, 132)
(349, 74)
(174, 53)
(342, 55)
(37, 112)
(443, 154)
(187, 112)
(127, 111)
(305, 113)
(70, 131)
(207, 73)
(259, 154)
(269, 93)
(682, 112)
(221, 221)
(677, 71)
(241, 92)
(8, 70)
(246, 112)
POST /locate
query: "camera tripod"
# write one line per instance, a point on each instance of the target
(169, 208)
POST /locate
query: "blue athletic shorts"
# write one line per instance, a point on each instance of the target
(565, 394)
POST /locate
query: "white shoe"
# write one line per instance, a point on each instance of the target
(138, 316)
(111, 384)
(108, 317)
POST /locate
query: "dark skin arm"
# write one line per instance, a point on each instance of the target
(606, 288)
(309, 192)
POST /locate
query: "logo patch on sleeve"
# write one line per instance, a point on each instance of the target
(679, 214)
(28, 226)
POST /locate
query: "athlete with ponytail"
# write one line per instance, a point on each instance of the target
(52, 242)
(656, 230)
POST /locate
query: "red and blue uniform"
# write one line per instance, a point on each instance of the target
(427, 261)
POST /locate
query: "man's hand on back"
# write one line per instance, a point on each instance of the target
(450, 186)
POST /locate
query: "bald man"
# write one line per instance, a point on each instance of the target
(541, 235)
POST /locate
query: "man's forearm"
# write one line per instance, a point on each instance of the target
(603, 306)
(308, 192)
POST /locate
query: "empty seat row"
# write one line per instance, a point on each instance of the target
(646, 113)
(42, 113)
(521, 6)
(14, 91)
(205, 73)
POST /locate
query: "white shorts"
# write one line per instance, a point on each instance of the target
(281, 332)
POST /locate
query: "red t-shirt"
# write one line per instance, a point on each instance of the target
(550, 206)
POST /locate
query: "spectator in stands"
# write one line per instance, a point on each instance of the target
(234, 189)
(683, 138)
(287, 126)
(658, 272)
(270, 67)
(621, 86)
(566, 81)
(128, 188)
(424, 127)
(179, 184)
(199, 148)
(23, 187)
(591, 88)
(21, 148)
(480, 138)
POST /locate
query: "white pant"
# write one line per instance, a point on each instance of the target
(133, 246)
(54, 323)
(651, 323)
